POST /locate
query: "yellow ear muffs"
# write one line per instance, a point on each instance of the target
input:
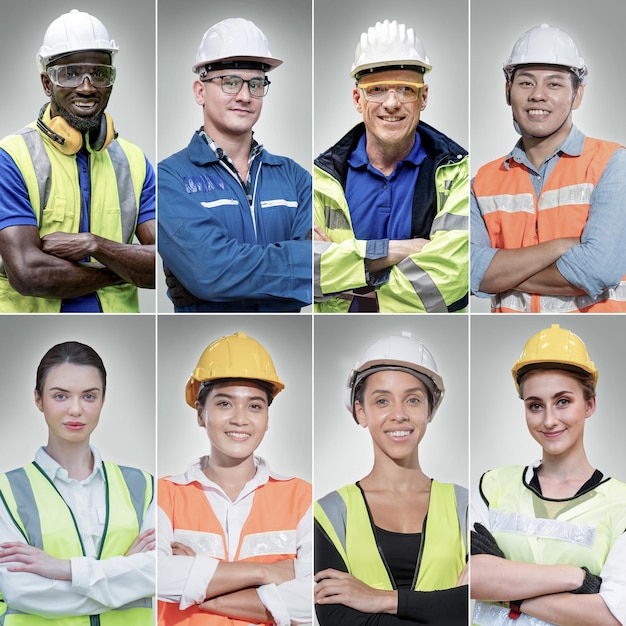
(69, 141)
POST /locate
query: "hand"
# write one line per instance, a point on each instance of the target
(335, 587)
(319, 234)
(179, 549)
(399, 249)
(69, 246)
(591, 583)
(279, 572)
(463, 577)
(144, 542)
(35, 561)
(483, 542)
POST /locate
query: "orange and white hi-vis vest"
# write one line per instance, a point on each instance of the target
(516, 218)
(268, 535)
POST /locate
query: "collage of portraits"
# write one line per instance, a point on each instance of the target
(312, 311)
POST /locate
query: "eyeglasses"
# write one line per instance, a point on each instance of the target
(100, 76)
(378, 92)
(232, 85)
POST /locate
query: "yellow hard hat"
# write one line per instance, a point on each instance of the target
(233, 356)
(556, 346)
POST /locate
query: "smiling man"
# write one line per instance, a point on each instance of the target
(72, 195)
(234, 220)
(391, 198)
(548, 225)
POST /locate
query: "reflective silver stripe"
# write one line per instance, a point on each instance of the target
(270, 203)
(125, 190)
(515, 300)
(449, 221)
(523, 202)
(223, 202)
(486, 614)
(319, 247)
(41, 163)
(271, 542)
(208, 544)
(462, 501)
(560, 530)
(424, 286)
(569, 304)
(335, 508)
(336, 219)
(136, 482)
(26, 505)
(572, 194)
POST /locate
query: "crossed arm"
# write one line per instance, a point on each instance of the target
(48, 267)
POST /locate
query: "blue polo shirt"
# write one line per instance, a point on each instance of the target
(381, 206)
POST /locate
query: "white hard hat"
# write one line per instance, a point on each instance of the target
(397, 352)
(234, 42)
(389, 44)
(73, 32)
(546, 45)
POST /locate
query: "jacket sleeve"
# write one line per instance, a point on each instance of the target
(433, 608)
(214, 265)
(435, 279)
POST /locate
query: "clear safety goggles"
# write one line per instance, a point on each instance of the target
(232, 85)
(100, 76)
(378, 92)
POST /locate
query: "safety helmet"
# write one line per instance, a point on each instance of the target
(389, 45)
(557, 347)
(546, 45)
(233, 356)
(397, 352)
(74, 32)
(234, 42)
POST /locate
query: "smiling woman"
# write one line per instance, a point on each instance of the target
(70, 521)
(391, 547)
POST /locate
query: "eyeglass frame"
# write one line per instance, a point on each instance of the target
(266, 84)
(391, 83)
(56, 68)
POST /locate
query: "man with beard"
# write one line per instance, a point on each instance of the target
(72, 195)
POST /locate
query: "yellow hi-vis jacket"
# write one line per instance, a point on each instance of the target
(117, 175)
(576, 531)
(46, 521)
(344, 517)
(435, 280)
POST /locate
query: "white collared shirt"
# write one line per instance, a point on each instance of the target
(97, 586)
(184, 579)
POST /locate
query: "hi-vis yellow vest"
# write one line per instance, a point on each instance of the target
(531, 529)
(46, 521)
(344, 517)
(117, 174)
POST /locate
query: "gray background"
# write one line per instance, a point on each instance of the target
(496, 25)
(343, 450)
(442, 27)
(287, 338)
(284, 127)
(131, 24)
(126, 432)
(498, 433)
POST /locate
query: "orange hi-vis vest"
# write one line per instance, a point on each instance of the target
(516, 218)
(268, 535)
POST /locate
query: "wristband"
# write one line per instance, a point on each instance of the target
(515, 608)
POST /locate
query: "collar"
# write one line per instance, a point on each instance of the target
(359, 157)
(572, 146)
(201, 153)
(55, 471)
(195, 474)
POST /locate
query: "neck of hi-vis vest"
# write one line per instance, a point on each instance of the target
(345, 518)
(268, 534)
(116, 178)
(516, 218)
(531, 529)
(46, 521)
